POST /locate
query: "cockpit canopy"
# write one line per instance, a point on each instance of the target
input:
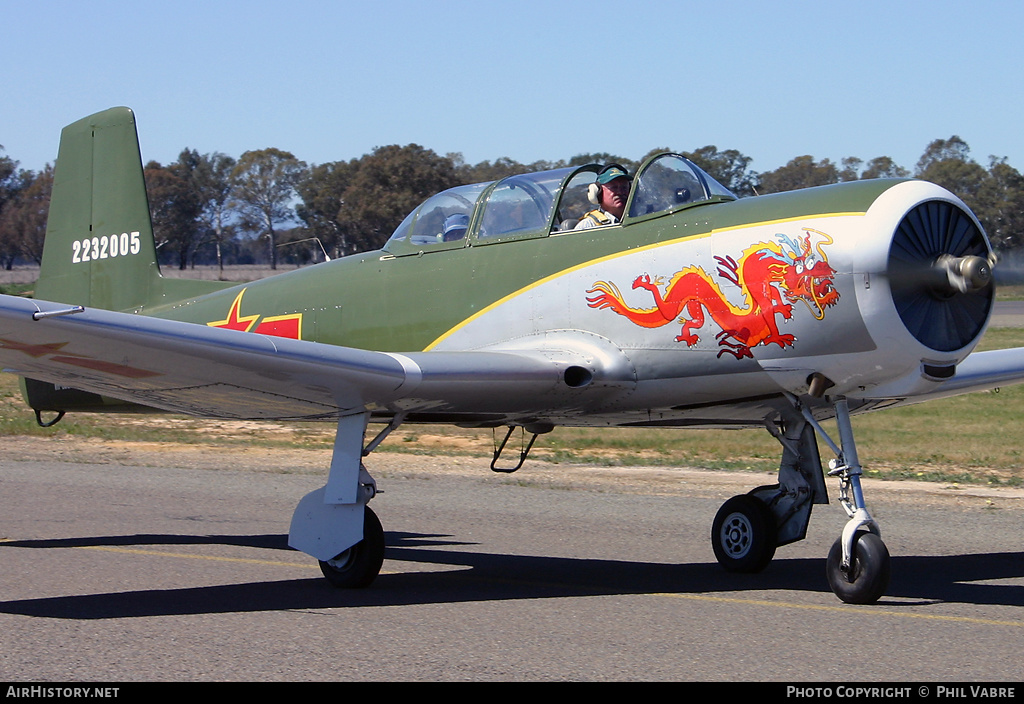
(539, 204)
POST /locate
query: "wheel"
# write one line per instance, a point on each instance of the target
(358, 566)
(743, 534)
(868, 577)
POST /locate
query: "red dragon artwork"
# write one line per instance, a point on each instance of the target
(771, 276)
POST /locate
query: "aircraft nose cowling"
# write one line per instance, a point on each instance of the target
(940, 275)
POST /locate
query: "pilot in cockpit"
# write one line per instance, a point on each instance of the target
(610, 191)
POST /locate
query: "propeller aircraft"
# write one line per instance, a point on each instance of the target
(487, 308)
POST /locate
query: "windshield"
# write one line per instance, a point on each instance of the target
(670, 181)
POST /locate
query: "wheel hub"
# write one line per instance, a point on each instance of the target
(342, 561)
(737, 535)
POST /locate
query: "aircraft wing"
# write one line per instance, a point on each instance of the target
(214, 372)
(981, 371)
(200, 370)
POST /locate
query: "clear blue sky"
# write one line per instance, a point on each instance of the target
(530, 80)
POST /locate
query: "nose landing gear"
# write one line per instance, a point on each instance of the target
(858, 563)
(748, 528)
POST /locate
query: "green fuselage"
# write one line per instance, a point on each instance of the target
(376, 300)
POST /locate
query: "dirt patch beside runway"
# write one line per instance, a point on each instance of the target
(681, 481)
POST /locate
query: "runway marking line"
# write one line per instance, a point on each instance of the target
(865, 610)
(193, 556)
(692, 597)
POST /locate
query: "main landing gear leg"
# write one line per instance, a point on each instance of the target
(858, 563)
(749, 527)
(333, 523)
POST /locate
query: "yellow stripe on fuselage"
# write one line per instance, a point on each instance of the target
(483, 311)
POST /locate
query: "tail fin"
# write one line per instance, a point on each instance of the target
(99, 248)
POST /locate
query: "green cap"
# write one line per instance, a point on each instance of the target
(610, 173)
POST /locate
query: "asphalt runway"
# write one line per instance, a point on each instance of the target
(124, 573)
(1008, 314)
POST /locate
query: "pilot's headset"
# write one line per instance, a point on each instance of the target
(605, 175)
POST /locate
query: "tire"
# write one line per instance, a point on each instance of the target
(868, 577)
(743, 534)
(358, 566)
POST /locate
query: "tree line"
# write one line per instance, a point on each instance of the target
(268, 206)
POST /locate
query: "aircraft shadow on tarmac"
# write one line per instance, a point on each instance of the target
(487, 576)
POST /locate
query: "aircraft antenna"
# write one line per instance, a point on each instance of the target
(308, 239)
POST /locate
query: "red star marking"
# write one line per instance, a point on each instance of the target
(51, 348)
(32, 350)
(279, 326)
(234, 321)
(106, 367)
